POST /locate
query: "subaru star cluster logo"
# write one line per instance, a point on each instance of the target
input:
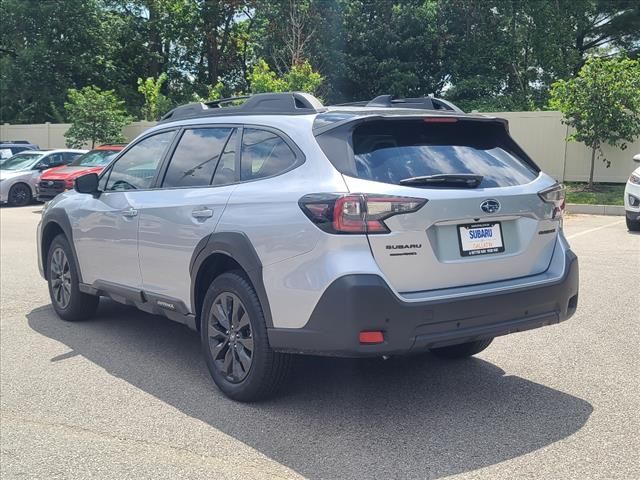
(490, 206)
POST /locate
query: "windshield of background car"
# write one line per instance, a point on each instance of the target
(95, 158)
(21, 161)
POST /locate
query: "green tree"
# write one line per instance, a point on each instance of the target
(96, 116)
(602, 103)
(46, 48)
(155, 103)
(301, 77)
(263, 79)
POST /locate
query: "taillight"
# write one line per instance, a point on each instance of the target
(68, 183)
(356, 213)
(556, 196)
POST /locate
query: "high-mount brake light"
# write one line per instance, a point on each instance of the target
(439, 120)
(555, 195)
(356, 213)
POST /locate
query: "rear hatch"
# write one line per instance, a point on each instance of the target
(483, 220)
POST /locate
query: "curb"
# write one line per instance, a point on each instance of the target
(595, 209)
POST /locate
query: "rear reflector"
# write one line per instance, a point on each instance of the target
(374, 336)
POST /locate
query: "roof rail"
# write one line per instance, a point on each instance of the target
(421, 103)
(17, 142)
(288, 103)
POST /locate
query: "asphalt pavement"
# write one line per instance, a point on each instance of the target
(127, 395)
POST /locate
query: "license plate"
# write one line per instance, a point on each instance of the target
(480, 239)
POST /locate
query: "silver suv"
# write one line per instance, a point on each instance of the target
(282, 226)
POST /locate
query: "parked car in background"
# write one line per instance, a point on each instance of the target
(8, 148)
(632, 198)
(20, 173)
(57, 180)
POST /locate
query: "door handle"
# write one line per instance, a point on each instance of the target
(202, 213)
(131, 212)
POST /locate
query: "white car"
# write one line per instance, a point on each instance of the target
(19, 174)
(632, 198)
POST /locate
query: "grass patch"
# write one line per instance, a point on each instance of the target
(602, 193)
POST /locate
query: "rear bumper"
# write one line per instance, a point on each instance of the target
(354, 303)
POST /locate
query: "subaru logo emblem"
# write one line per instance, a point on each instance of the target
(490, 206)
(50, 183)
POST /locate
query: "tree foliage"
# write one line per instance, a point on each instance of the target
(96, 117)
(489, 54)
(299, 77)
(155, 103)
(602, 104)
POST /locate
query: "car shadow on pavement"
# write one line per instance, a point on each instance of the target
(416, 417)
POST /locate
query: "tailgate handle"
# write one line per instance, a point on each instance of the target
(202, 213)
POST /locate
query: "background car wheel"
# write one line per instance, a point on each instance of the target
(462, 350)
(62, 273)
(19, 195)
(235, 343)
(633, 225)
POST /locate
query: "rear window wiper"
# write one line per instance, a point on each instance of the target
(460, 180)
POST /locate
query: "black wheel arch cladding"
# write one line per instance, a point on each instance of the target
(55, 221)
(238, 247)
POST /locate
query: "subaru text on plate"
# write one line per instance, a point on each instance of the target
(282, 227)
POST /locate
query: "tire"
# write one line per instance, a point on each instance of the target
(236, 348)
(633, 225)
(462, 350)
(19, 195)
(62, 272)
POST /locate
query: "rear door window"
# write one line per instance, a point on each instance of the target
(70, 156)
(227, 166)
(393, 150)
(264, 154)
(196, 157)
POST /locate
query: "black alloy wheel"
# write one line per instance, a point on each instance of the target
(19, 195)
(230, 337)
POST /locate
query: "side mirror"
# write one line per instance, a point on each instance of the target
(87, 184)
(636, 157)
(42, 167)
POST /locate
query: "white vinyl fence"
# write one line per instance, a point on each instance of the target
(541, 134)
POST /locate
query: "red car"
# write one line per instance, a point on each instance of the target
(56, 180)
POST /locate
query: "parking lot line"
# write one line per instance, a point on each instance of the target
(617, 222)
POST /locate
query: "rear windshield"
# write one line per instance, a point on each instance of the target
(95, 158)
(393, 150)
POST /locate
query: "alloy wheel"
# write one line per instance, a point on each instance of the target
(19, 195)
(230, 337)
(60, 278)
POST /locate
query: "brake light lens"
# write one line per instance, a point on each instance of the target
(439, 120)
(555, 195)
(356, 213)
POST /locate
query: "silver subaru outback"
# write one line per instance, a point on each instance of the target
(281, 226)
